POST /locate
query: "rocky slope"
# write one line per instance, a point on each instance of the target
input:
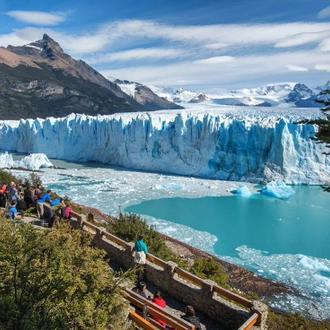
(41, 80)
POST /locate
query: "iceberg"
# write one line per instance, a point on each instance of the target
(310, 263)
(242, 190)
(6, 160)
(35, 161)
(31, 162)
(206, 141)
(277, 189)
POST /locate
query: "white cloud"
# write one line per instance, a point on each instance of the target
(201, 55)
(138, 53)
(323, 67)
(302, 39)
(215, 60)
(324, 46)
(296, 68)
(324, 13)
(216, 45)
(37, 17)
(246, 70)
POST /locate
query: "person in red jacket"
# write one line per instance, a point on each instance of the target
(158, 300)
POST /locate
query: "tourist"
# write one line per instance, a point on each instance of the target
(12, 192)
(140, 254)
(43, 197)
(12, 211)
(190, 317)
(3, 197)
(28, 197)
(158, 300)
(141, 289)
(68, 211)
(37, 192)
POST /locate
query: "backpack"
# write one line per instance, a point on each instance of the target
(28, 194)
(62, 211)
(55, 201)
(42, 194)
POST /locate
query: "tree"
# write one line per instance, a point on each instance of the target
(55, 279)
(323, 134)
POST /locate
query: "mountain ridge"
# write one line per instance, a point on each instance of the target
(41, 80)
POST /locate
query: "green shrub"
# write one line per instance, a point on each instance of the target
(210, 269)
(294, 321)
(33, 181)
(6, 177)
(129, 226)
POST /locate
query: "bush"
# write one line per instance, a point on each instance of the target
(54, 279)
(294, 321)
(208, 268)
(6, 177)
(129, 226)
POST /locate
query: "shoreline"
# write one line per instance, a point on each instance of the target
(239, 278)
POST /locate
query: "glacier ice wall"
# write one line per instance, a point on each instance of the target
(240, 144)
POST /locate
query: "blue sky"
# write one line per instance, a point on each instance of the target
(200, 45)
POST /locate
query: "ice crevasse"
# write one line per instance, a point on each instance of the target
(229, 145)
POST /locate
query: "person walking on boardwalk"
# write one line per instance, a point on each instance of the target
(140, 255)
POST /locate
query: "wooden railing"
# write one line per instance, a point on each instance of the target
(149, 310)
(232, 296)
(250, 322)
(153, 309)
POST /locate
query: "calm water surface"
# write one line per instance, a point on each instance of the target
(300, 225)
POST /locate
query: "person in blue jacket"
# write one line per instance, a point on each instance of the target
(140, 255)
(45, 197)
(13, 213)
(42, 198)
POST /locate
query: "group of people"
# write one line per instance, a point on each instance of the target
(140, 254)
(189, 315)
(29, 198)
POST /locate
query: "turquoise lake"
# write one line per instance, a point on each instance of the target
(300, 225)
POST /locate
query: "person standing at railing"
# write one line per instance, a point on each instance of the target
(140, 255)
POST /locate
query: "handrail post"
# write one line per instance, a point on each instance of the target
(262, 310)
(99, 233)
(129, 253)
(207, 288)
(169, 268)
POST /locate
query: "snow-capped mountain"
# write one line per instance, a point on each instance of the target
(180, 95)
(271, 95)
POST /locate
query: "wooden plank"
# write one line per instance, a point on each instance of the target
(156, 260)
(250, 322)
(193, 278)
(233, 296)
(90, 226)
(115, 239)
(139, 320)
(155, 310)
(171, 319)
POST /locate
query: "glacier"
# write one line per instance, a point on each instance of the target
(207, 141)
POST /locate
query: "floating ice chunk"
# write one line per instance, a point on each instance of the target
(277, 189)
(34, 161)
(170, 186)
(322, 280)
(6, 160)
(311, 263)
(242, 190)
